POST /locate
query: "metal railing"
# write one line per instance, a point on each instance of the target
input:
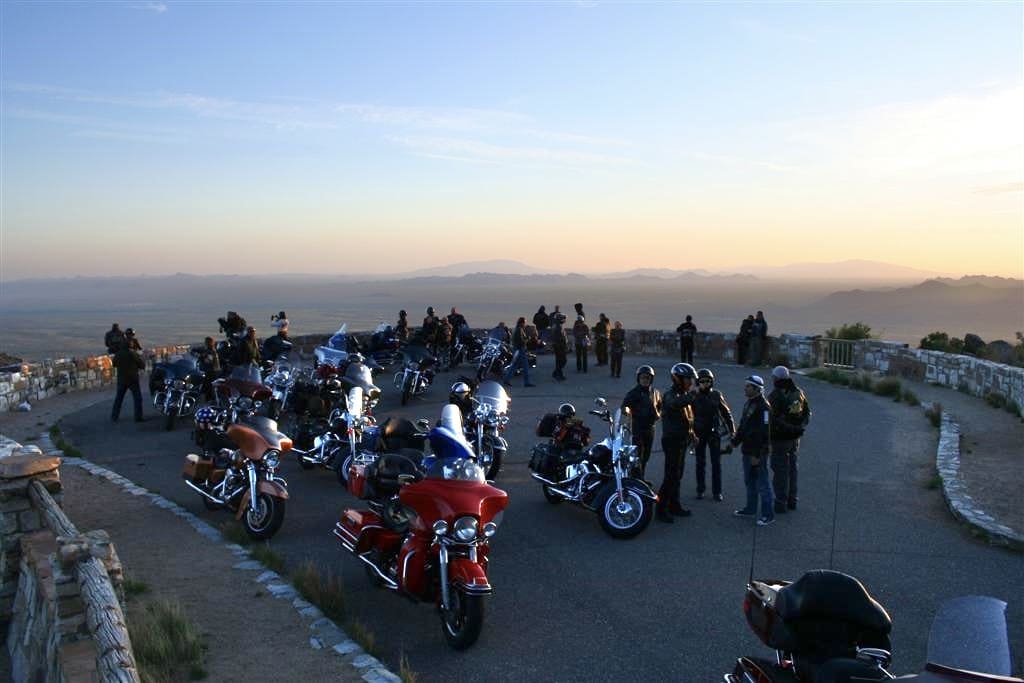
(837, 353)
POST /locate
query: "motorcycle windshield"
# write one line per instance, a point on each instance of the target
(360, 375)
(416, 353)
(970, 633)
(339, 339)
(246, 373)
(459, 469)
(493, 395)
(355, 402)
(181, 368)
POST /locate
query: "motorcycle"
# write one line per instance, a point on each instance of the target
(175, 387)
(495, 357)
(826, 628)
(281, 378)
(604, 478)
(439, 551)
(349, 434)
(244, 480)
(466, 348)
(484, 425)
(417, 373)
(383, 345)
(341, 344)
(357, 372)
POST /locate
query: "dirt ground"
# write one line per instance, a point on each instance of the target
(234, 613)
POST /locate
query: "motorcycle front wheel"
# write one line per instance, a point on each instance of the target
(264, 517)
(551, 496)
(464, 621)
(342, 460)
(492, 461)
(406, 392)
(627, 517)
(169, 420)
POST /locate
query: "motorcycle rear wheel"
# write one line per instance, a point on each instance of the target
(342, 460)
(625, 519)
(266, 519)
(406, 391)
(463, 623)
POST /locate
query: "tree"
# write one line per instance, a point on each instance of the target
(851, 331)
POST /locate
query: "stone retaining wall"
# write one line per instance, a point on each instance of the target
(34, 381)
(60, 596)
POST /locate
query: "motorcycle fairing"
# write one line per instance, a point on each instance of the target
(468, 576)
(271, 488)
(969, 633)
(436, 499)
(258, 436)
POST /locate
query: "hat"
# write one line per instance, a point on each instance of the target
(756, 381)
(579, 318)
(130, 332)
(780, 372)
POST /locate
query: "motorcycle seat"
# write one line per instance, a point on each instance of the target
(824, 596)
(389, 466)
(398, 433)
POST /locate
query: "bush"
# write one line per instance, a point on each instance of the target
(324, 589)
(910, 398)
(270, 558)
(934, 414)
(889, 386)
(167, 645)
(1012, 408)
(830, 375)
(940, 341)
(862, 382)
(850, 331)
(995, 399)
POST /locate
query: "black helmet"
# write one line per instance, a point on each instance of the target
(460, 389)
(645, 370)
(684, 371)
(430, 310)
(566, 410)
(704, 373)
(356, 358)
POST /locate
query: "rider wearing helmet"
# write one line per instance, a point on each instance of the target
(570, 433)
(644, 404)
(676, 437)
(712, 422)
(460, 396)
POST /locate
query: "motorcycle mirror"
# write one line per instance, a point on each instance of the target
(423, 424)
(626, 411)
(404, 479)
(600, 402)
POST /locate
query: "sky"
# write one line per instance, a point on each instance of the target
(258, 137)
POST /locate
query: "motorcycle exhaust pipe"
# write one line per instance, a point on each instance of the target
(388, 581)
(159, 398)
(203, 493)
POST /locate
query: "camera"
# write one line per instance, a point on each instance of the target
(278, 316)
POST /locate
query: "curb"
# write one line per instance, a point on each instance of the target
(954, 490)
(324, 632)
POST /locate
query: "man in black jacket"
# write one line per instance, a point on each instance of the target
(560, 347)
(687, 340)
(712, 422)
(754, 435)
(743, 340)
(128, 362)
(676, 437)
(644, 404)
(113, 339)
(790, 415)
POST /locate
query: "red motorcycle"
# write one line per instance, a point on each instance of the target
(427, 532)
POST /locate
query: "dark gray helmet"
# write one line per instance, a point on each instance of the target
(704, 373)
(567, 410)
(460, 389)
(684, 371)
(645, 370)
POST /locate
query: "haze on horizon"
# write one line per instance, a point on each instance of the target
(161, 137)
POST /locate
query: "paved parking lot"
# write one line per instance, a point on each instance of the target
(572, 604)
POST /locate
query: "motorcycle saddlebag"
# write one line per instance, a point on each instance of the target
(764, 620)
(546, 426)
(358, 483)
(196, 468)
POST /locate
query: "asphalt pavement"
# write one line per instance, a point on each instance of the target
(572, 604)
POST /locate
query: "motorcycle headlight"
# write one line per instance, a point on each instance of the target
(440, 527)
(179, 384)
(466, 529)
(272, 459)
(490, 529)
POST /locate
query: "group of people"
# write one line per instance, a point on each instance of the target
(126, 350)
(693, 414)
(608, 340)
(752, 340)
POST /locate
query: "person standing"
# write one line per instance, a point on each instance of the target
(743, 340)
(758, 339)
(617, 344)
(402, 326)
(128, 362)
(209, 363)
(560, 347)
(676, 437)
(581, 336)
(754, 437)
(520, 355)
(644, 404)
(429, 329)
(601, 330)
(541, 321)
(249, 349)
(456, 320)
(791, 414)
(280, 321)
(687, 340)
(712, 421)
(113, 339)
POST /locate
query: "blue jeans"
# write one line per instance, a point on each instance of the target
(519, 358)
(756, 479)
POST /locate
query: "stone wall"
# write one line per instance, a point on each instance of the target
(60, 591)
(35, 381)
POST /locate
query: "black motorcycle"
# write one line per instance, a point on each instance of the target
(826, 628)
(484, 425)
(417, 373)
(348, 435)
(604, 478)
(175, 387)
